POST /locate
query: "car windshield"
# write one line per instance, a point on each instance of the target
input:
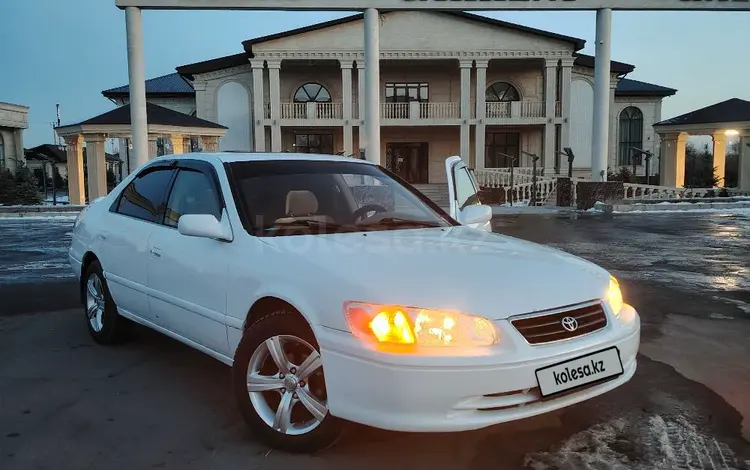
(297, 197)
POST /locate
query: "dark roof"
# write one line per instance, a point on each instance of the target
(173, 84)
(627, 87)
(579, 43)
(733, 110)
(154, 114)
(213, 64)
(585, 60)
(47, 152)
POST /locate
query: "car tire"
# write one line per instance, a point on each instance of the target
(303, 393)
(105, 325)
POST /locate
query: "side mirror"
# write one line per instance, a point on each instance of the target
(203, 226)
(476, 214)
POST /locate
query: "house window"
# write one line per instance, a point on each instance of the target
(498, 147)
(406, 92)
(2, 153)
(630, 135)
(314, 143)
(501, 92)
(312, 93)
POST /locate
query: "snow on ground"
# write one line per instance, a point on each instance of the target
(668, 443)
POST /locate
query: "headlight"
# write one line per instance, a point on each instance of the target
(614, 296)
(394, 324)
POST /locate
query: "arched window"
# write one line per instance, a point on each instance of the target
(630, 134)
(2, 153)
(312, 92)
(502, 91)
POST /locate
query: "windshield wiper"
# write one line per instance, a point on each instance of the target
(397, 222)
(309, 223)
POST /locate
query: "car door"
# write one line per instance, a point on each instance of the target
(124, 237)
(463, 190)
(187, 276)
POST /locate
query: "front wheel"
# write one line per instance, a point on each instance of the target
(280, 387)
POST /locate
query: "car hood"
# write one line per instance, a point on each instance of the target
(461, 268)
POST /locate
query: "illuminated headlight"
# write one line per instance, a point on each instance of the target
(398, 325)
(614, 296)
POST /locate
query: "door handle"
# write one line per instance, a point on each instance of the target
(155, 252)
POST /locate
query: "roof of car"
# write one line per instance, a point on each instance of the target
(233, 157)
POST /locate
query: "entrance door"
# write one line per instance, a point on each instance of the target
(410, 161)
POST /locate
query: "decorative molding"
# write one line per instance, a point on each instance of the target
(346, 63)
(482, 63)
(257, 63)
(273, 64)
(224, 73)
(466, 64)
(407, 54)
(567, 62)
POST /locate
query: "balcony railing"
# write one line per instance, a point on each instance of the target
(498, 110)
(311, 111)
(415, 110)
(532, 109)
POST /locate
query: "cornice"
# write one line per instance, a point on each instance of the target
(406, 54)
(224, 73)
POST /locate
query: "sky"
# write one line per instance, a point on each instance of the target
(68, 51)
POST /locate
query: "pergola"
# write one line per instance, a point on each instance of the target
(728, 118)
(162, 123)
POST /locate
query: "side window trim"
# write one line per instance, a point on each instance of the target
(161, 166)
(198, 166)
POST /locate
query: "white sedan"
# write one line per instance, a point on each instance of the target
(338, 293)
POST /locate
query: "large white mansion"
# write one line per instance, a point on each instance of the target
(451, 84)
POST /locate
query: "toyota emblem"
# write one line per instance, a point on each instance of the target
(569, 323)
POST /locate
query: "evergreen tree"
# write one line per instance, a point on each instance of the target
(7, 187)
(26, 190)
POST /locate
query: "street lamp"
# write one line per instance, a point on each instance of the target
(534, 159)
(512, 160)
(568, 152)
(648, 155)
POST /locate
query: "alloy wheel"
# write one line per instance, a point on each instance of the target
(286, 385)
(95, 302)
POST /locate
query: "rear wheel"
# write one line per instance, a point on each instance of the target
(280, 388)
(105, 325)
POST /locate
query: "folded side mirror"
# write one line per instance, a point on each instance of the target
(477, 214)
(204, 226)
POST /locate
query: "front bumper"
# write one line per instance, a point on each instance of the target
(449, 393)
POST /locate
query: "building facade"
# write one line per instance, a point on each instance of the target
(14, 119)
(495, 93)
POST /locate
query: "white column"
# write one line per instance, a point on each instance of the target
(465, 66)
(550, 98)
(137, 83)
(74, 150)
(720, 155)
(361, 105)
(259, 110)
(372, 84)
(479, 132)
(153, 147)
(275, 95)
(346, 102)
(96, 165)
(672, 161)
(565, 104)
(744, 167)
(600, 137)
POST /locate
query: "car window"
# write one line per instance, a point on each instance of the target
(466, 192)
(297, 197)
(144, 197)
(192, 193)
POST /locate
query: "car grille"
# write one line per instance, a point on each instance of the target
(547, 327)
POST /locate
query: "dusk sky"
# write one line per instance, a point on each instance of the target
(67, 52)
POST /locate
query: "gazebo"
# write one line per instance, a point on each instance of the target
(162, 123)
(728, 118)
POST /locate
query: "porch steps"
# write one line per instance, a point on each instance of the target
(437, 192)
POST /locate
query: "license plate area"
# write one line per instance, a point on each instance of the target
(579, 372)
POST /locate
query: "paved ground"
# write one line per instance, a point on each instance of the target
(153, 403)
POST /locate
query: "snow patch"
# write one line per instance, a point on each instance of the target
(620, 444)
